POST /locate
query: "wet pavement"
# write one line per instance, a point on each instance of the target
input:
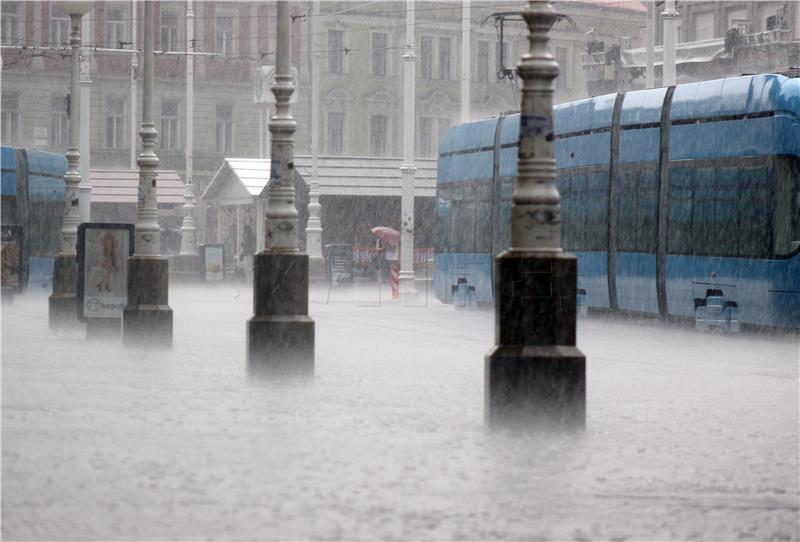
(689, 435)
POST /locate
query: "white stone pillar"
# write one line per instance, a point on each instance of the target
(408, 288)
(314, 227)
(188, 226)
(85, 187)
(670, 17)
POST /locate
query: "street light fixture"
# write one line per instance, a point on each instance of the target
(62, 302)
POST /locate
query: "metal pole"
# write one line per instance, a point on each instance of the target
(147, 317)
(134, 82)
(188, 227)
(466, 60)
(85, 187)
(670, 17)
(651, 45)
(280, 335)
(535, 376)
(314, 227)
(407, 284)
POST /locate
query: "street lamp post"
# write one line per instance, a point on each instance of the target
(147, 318)
(314, 227)
(280, 335)
(62, 302)
(535, 376)
(187, 263)
(407, 284)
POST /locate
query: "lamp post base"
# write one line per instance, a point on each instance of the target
(535, 376)
(542, 387)
(280, 335)
(63, 301)
(147, 318)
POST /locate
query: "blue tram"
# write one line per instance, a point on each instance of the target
(33, 197)
(681, 201)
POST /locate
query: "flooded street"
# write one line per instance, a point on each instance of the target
(689, 435)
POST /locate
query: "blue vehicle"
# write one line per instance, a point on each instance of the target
(33, 197)
(679, 201)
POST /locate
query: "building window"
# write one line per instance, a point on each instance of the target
(169, 125)
(377, 135)
(426, 57)
(425, 136)
(562, 56)
(704, 26)
(335, 51)
(225, 34)
(379, 53)
(59, 26)
(170, 31)
(115, 123)
(10, 103)
(59, 122)
(444, 58)
(335, 133)
(11, 16)
(225, 128)
(115, 25)
(482, 75)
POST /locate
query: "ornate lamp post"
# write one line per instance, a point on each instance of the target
(147, 318)
(535, 375)
(280, 335)
(187, 262)
(62, 302)
(408, 290)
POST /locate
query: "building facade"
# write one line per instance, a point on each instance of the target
(360, 75)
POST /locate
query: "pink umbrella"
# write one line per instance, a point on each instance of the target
(386, 234)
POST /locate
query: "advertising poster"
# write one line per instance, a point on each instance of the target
(103, 268)
(11, 258)
(213, 262)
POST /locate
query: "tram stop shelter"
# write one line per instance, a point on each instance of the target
(356, 193)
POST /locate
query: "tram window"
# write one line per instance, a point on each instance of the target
(443, 222)
(637, 211)
(44, 222)
(787, 206)
(483, 222)
(753, 224)
(719, 211)
(595, 201)
(680, 211)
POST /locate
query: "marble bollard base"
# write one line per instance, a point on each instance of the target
(62, 302)
(280, 335)
(103, 329)
(535, 376)
(536, 387)
(280, 346)
(147, 318)
(185, 268)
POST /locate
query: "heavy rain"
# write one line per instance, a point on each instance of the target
(296, 270)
